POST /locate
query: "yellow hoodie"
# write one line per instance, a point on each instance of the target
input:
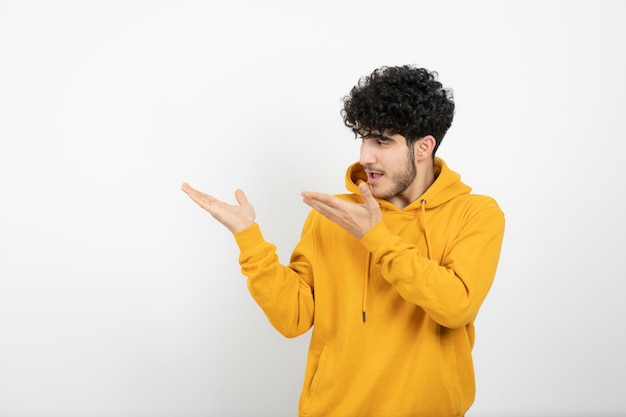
(392, 313)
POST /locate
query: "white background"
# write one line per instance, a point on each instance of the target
(120, 297)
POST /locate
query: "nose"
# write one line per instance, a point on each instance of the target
(367, 155)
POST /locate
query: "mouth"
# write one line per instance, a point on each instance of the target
(373, 176)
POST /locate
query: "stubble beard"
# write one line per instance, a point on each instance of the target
(401, 181)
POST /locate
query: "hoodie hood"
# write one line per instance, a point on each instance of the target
(447, 185)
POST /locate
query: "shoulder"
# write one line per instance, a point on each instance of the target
(481, 200)
(476, 206)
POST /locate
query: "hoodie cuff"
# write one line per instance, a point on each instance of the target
(376, 237)
(249, 238)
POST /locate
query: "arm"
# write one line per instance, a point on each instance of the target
(284, 293)
(451, 290)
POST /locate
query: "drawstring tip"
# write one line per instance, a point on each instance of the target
(364, 319)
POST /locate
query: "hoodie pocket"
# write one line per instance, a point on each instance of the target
(311, 390)
(454, 384)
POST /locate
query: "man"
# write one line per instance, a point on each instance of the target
(391, 275)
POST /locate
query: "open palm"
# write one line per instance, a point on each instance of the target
(235, 217)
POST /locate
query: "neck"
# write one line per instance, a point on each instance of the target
(424, 178)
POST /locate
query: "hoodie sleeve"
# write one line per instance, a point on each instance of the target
(284, 293)
(452, 289)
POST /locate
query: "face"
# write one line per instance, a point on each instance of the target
(390, 166)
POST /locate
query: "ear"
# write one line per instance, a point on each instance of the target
(424, 148)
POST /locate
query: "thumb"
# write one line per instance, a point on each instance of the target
(241, 197)
(366, 194)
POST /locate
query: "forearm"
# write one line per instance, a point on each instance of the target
(285, 298)
(452, 285)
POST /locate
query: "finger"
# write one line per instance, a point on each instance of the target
(186, 187)
(366, 194)
(203, 200)
(191, 192)
(321, 198)
(322, 208)
(241, 197)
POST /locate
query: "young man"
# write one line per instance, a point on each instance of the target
(391, 275)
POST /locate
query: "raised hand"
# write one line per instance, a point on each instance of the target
(235, 218)
(357, 219)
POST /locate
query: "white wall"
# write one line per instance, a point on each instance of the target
(120, 297)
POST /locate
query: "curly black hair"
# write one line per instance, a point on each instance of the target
(401, 100)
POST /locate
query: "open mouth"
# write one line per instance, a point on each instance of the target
(373, 176)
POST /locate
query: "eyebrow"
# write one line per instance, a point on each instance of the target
(375, 135)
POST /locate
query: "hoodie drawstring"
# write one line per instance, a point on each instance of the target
(366, 282)
(368, 262)
(423, 210)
